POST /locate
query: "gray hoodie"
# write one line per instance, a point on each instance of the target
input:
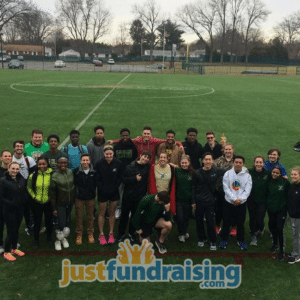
(95, 150)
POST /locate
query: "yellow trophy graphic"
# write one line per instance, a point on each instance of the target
(135, 254)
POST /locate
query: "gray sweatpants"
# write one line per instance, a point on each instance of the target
(295, 224)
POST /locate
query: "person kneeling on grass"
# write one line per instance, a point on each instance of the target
(85, 185)
(153, 211)
(293, 206)
(13, 197)
(62, 195)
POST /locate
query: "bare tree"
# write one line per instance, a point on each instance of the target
(200, 16)
(33, 27)
(9, 9)
(148, 13)
(122, 38)
(236, 10)
(256, 12)
(288, 29)
(222, 11)
(10, 32)
(84, 20)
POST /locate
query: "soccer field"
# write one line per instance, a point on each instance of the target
(256, 113)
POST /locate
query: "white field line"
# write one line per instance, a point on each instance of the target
(90, 114)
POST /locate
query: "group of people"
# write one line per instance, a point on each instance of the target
(148, 183)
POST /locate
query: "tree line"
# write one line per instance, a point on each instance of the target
(223, 27)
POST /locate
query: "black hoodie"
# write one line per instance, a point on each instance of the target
(125, 152)
(293, 203)
(195, 151)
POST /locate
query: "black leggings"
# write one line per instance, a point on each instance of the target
(183, 212)
(1, 225)
(12, 219)
(38, 211)
(257, 212)
(276, 225)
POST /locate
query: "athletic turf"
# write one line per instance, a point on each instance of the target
(256, 113)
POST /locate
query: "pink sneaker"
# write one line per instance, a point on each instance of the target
(111, 238)
(233, 231)
(102, 240)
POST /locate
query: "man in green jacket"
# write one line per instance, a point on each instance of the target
(153, 211)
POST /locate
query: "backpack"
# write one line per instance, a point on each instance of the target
(297, 147)
(66, 150)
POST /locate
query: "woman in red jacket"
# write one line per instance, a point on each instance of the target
(162, 178)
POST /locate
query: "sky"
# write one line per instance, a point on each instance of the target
(122, 12)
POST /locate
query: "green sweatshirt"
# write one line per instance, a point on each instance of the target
(40, 190)
(184, 183)
(62, 188)
(149, 212)
(260, 182)
(277, 190)
(34, 151)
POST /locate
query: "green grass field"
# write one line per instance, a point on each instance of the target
(256, 113)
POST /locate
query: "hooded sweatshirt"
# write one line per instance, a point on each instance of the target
(237, 185)
(126, 152)
(95, 150)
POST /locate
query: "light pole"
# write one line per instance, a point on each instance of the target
(1, 49)
(163, 64)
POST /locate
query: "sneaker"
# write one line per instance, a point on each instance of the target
(102, 240)
(201, 243)
(217, 229)
(79, 240)
(57, 245)
(223, 245)
(132, 238)
(65, 243)
(274, 249)
(118, 213)
(181, 238)
(43, 230)
(280, 256)
(186, 236)
(292, 260)
(1, 249)
(233, 231)
(243, 246)
(9, 257)
(28, 231)
(111, 239)
(17, 252)
(120, 237)
(161, 247)
(18, 245)
(91, 239)
(213, 246)
(253, 241)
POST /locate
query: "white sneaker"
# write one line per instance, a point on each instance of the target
(57, 245)
(181, 239)
(118, 213)
(1, 249)
(213, 246)
(18, 245)
(253, 241)
(65, 243)
(186, 236)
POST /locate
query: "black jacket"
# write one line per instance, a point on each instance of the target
(204, 185)
(216, 152)
(293, 203)
(125, 152)
(85, 184)
(195, 151)
(12, 192)
(108, 176)
(135, 190)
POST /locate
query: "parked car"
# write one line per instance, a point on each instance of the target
(111, 61)
(98, 62)
(15, 64)
(59, 64)
(157, 66)
(5, 57)
(20, 57)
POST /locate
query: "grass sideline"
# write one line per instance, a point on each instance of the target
(255, 113)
